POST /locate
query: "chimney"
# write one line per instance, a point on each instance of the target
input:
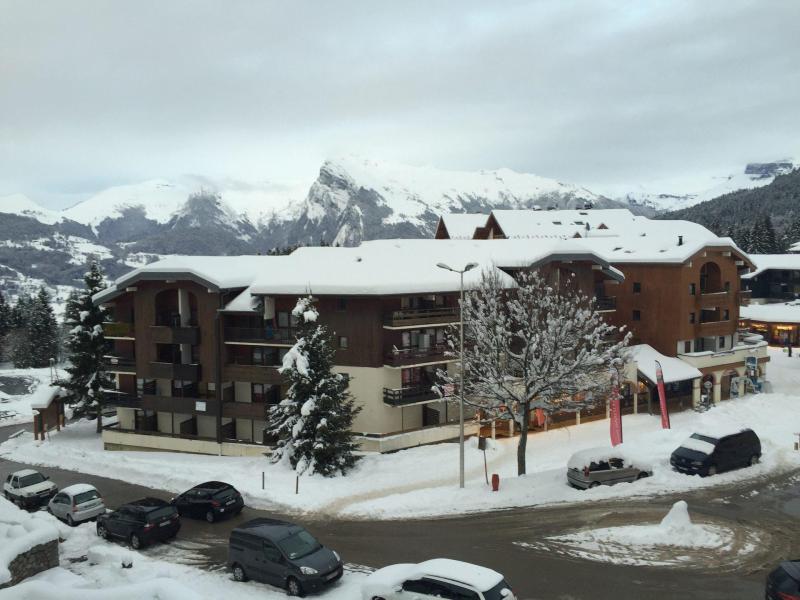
(680, 240)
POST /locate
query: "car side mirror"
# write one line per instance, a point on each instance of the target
(47, 477)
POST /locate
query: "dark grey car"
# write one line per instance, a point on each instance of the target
(282, 554)
(595, 467)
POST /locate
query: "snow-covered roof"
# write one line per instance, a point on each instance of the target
(243, 302)
(673, 369)
(563, 223)
(476, 576)
(44, 395)
(766, 262)
(25, 472)
(462, 226)
(788, 312)
(220, 272)
(78, 488)
(21, 531)
(385, 267)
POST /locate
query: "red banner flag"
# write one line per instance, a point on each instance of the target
(540, 417)
(615, 413)
(662, 397)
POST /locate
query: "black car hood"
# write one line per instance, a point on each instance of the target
(690, 454)
(323, 560)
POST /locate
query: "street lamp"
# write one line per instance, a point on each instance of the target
(461, 272)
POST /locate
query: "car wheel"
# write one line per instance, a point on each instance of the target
(594, 484)
(712, 470)
(293, 587)
(238, 573)
(136, 543)
(210, 516)
(102, 531)
(70, 521)
(754, 460)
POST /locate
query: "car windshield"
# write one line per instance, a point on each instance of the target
(86, 496)
(31, 479)
(496, 593)
(225, 494)
(159, 513)
(299, 545)
(705, 438)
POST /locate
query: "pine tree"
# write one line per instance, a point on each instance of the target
(20, 346)
(88, 379)
(792, 233)
(313, 423)
(5, 326)
(43, 330)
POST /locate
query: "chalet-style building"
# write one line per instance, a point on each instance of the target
(776, 277)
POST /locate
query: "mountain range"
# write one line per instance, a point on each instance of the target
(352, 199)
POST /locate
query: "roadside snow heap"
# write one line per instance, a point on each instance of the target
(28, 544)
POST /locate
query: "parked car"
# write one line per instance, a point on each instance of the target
(209, 501)
(705, 455)
(784, 582)
(28, 488)
(140, 523)
(436, 579)
(77, 503)
(282, 554)
(602, 466)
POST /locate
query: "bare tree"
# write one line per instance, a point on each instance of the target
(538, 345)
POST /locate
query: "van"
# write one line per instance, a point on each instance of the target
(704, 455)
(282, 554)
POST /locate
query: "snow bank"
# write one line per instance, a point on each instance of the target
(19, 532)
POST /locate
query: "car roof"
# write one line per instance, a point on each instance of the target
(212, 485)
(78, 488)
(792, 568)
(272, 529)
(25, 472)
(478, 577)
(147, 504)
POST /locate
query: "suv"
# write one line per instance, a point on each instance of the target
(209, 501)
(707, 455)
(29, 488)
(784, 582)
(282, 554)
(602, 466)
(436, 579)
(140, 523)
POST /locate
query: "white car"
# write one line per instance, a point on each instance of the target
(28, 488)
(77, 503)
(434, 580)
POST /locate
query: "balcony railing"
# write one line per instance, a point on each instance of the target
(120, 364)
(744, 297)
(412, 355)
(409, 395)
(167, 370)
(277, 335)
(713, 299)
(422, 316)
(252, 373)
(163, 334)
(605, 303)
(118, 329)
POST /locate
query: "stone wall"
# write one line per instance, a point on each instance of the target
(37, 559)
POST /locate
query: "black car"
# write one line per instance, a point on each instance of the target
(784, 582)
(209, 501)
(140, 523)
(282, 554)
(708, 455)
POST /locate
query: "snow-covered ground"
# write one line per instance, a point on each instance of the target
(92, 569)
(17, 390)
(423, 481)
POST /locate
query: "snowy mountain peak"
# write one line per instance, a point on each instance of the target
(19, 204)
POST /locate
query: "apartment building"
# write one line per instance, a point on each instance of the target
(197, 341)
(680, 295)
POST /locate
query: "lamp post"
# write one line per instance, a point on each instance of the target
(460, 272)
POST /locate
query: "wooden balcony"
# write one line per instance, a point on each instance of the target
(744, 297)
(245, 410)
(716, 328)
(120, 364)
(184, 405)
(411, 317)
(283, 336)
(713, 299)
(163, 334)
(605, 304)
(409, 395)
(166, 370)
(252, 373)
(407, 357)
(118, 330)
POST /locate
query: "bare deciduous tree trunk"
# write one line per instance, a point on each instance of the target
(523, 440)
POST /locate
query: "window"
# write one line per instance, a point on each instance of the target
(692, 289)
(616, 463)
(637, 287)
(637, 315)
(727, 286)
(721, 342)
(259, 392)
(687, 347)
(726, 315)
(343, 342)
(691, 317)
(341, 305)
(272, 553)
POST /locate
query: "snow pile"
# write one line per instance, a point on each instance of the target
(19, 532)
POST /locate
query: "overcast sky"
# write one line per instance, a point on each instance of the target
(100, 93)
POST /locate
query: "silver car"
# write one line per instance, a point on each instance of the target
(77, 503)
(602, 466)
